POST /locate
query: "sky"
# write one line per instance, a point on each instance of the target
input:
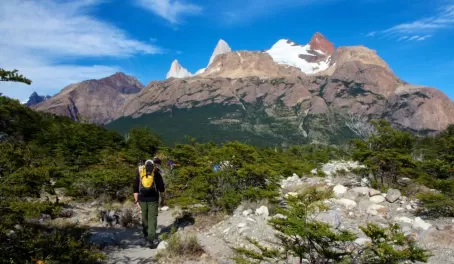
(58, 42)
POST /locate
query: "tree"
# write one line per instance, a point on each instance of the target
(13, 76)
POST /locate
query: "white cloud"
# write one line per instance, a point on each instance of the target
(414, 37)
(170, 10)
(41, 37)
(420, 28)
(371, 34)
(424, 37)
(403, 38)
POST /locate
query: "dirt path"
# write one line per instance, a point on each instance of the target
(131, 249)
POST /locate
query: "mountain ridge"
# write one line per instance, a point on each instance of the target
(306, 87)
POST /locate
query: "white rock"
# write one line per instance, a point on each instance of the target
(263, 211)
(374, 209)
(373, 192)
(404, 219)
(360, 190)
(162, 245)
(247, 212)
(241, 225)
(350, 204)
(377, 199)
(177, 71)
(164, 208)
(339, 190)
(314, 171)
(250, 219)
(420, 224)
(409, 207)
(280, 216)
(243, 229)
(221, 48)
(295, 175)
(226, 230)
(362, 240)
(400, 209)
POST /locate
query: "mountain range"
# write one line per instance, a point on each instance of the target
(288, 94)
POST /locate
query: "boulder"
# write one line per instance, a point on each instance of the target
(404, 219)
(420, 224)
(361, 190)
(363, 241)
(164, 208)
(441, 238)
(262, 211)
(339, 190)
(373, 192)
(163, 245)
(393, 195)
(330, 217)
(377, 199)
(376, 209)
(247, 212)
(350, 204)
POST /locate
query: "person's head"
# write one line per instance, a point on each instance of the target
(149, 166)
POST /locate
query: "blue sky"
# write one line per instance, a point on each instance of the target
(59, 42)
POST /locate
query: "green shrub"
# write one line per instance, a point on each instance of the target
(436, 204)
(181, 247)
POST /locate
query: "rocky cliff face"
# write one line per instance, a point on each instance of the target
(96, 101)
(290, 93)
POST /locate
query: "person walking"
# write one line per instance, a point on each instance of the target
(148, 188)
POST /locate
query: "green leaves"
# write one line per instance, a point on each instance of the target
(13, 76)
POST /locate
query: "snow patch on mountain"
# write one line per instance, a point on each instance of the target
(200, 71)
(177, 71)
(288, 52)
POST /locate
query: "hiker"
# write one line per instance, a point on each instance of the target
(148, 187)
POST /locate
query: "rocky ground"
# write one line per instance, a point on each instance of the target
(354, 205)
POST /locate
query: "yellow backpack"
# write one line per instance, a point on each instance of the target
(146, 181)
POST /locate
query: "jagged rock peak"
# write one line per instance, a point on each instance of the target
(35, 99)
(177, 71)
(221, 48)
(319, 42)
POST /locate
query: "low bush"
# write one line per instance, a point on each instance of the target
(181, 247)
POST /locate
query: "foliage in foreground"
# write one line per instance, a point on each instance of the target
(391, 154)
(301, 237)
(181, 247)
(13, 76)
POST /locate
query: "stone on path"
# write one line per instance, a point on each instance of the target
(421, 224)
(339, 190)
(164, 208)
(162, 245)
(247, 212)
(377, 199)
(361, 190)
(373, 192)
(263, 211)
(404, 219)
(376, 209)
(393, 195)
(441, 238)
(350, 204)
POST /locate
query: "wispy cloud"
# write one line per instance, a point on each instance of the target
(422, 28)
(171, 10)
(40, 37)
(371, 34)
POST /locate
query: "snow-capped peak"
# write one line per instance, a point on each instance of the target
(177, 71)
(310, 61)
(221, 47)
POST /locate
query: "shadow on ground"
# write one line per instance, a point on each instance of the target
(126, 245)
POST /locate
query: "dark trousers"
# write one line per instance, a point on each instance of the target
(149, 219)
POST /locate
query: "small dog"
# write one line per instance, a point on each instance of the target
(110, 218)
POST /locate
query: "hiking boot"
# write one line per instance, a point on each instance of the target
(149, 244)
